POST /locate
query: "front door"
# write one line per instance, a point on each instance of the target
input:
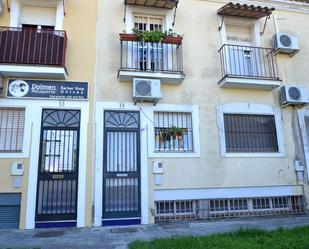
(121, 165)
(58, 166)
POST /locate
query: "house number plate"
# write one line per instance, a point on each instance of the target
(58, 176)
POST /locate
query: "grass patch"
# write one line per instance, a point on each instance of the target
(297, 238)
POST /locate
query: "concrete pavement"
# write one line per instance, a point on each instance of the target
(119, 237)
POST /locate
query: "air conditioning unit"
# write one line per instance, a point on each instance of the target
(285, 43)
(294, 95)
(148, 90)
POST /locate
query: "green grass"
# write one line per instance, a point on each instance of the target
(297, 238)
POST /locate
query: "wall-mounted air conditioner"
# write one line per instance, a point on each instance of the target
(285, 43)
(146, 90)
(294, 95)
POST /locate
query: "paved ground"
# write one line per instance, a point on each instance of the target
(119, 237)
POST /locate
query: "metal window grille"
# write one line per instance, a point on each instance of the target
(11, 129)
(166, 139)
(250, 133)
(182, 209)
(228, 208)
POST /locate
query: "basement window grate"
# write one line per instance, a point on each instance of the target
(178, 210)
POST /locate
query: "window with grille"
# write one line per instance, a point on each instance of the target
(11, 129)
(261, 203)
(175, 207)
(148, 23)
(173, 131)
(250, 133)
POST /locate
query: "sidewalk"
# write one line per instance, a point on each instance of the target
(119, 237)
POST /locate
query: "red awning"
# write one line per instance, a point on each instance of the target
(166, 4)
(244, 10)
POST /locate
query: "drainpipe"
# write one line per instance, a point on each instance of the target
(300, 160)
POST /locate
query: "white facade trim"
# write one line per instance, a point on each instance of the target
(16, 8)
(98, 194)
(33, 71)
(219, 193)
(241, 21)
(131, 10)
(238, 82)
(302, 114)
(193, 109)
(147, 147)
(250, 108)
(32, 148)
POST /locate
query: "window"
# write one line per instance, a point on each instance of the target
(38, 15)
(42, 27)
(173, 131)
(179, 207)
(237, 34)
(250, 130)
(148, 23)
(261, 203)
(11, 129)
(250, 133)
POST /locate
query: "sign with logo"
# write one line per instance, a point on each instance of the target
(47, 89)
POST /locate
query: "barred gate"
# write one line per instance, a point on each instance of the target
(58, 166)
(121, 165)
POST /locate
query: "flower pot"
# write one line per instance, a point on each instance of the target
(128, 37)
(173, 40)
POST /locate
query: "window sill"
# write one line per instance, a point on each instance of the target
(15, 154)
(257, 155)
(173, 154)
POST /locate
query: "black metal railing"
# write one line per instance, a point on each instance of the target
(151, 56)
(32, 46)
(248, 62)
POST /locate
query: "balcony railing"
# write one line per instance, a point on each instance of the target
(248, 62)
(32, 46)
(151, 57)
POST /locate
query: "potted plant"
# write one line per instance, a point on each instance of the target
(164, 136)
(172, 38)
(152, 36)
(135, 36)
(175, 132)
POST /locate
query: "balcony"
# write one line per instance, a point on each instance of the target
(32, 53)
(248, 67)
(160, 60)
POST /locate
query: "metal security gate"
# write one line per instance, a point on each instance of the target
(121, 179)
(58, 166)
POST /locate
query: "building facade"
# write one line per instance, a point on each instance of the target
(217, 142)
(47, 72)
(198, 113)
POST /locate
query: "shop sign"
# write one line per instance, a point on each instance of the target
(47, 89)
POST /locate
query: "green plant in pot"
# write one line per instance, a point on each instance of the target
(149, 36)
(172, 38)
(176, 134)
(164, 136)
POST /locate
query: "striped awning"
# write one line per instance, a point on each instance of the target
(166, 4)
(244, 10)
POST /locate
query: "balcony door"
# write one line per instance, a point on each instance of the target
(148, 56)
(242, 56)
